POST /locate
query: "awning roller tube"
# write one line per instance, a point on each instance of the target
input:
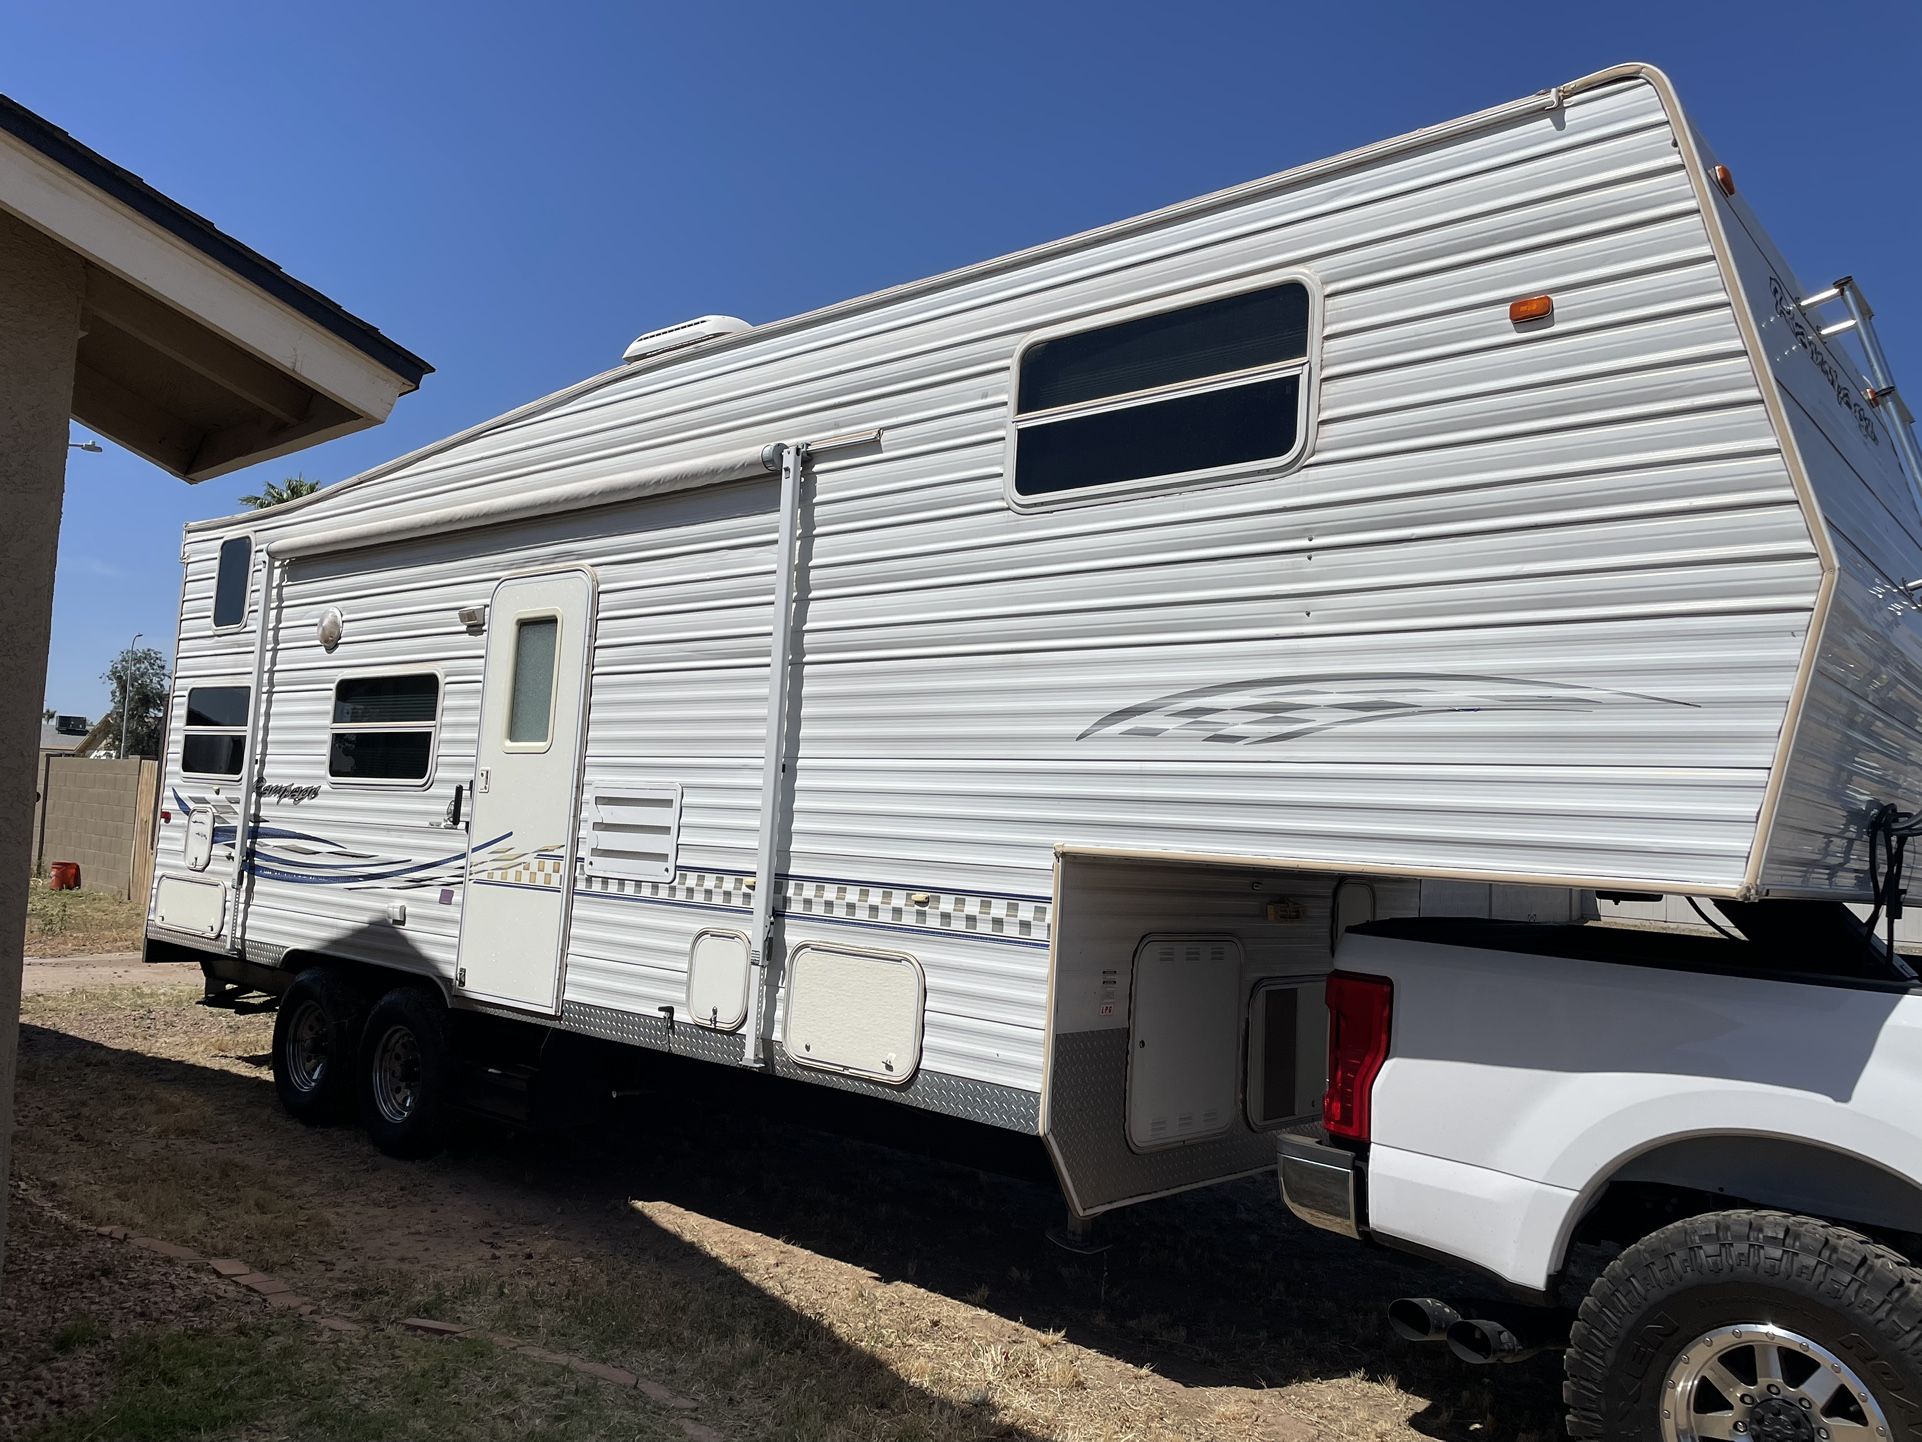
(712, 470)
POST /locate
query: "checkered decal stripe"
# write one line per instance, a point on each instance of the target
(710, 888)
(937, 911)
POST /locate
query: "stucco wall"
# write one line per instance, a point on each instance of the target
(41, 288)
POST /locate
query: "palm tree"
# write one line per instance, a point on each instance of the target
(290, 489)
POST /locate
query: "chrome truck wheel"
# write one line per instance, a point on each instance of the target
(1749, 1326)
(1768, 1383)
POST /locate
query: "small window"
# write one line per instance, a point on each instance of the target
(384, 728)
(530, 707)
(214, 740)
(230, 581)
(1173, 396)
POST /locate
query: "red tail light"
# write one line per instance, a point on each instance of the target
(1358, 1012)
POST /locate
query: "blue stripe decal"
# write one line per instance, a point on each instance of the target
(273, 872)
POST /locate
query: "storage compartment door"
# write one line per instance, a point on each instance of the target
(1184, 1040)
(181, 904)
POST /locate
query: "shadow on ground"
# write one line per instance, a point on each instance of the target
(1212, 1290)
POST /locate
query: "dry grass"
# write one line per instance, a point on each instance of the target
(797, 1284)
(99, 1340)
(80, 923)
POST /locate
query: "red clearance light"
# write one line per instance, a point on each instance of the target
(1725, 178)
(1531, 307)
(1358, 1011)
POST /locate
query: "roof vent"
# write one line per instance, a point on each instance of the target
(688, 332)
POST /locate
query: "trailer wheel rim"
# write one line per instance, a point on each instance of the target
(307, 1048)
(397, 1074)
(1769, 1384)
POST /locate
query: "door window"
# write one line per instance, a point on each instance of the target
(530, 707)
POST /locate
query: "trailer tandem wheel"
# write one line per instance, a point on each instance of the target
(407, 1072)
(316, 1039)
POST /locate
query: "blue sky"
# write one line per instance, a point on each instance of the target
(514, 192)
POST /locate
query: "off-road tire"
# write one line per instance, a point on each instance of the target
(316, 1045)
(407, 1048)
(1858, 1299)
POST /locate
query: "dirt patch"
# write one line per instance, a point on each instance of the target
(120, 968)
(794, 1282)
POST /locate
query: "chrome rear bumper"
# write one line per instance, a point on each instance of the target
(1321, 1184)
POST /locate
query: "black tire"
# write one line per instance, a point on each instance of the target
(1658, 1308)
(316, 1044)
(407, 1073)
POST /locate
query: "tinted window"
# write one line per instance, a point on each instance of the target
(1217, 337)
(371, 700)
(230, 581)
(383, 728)
(212, 755)
(217, 706)
(1206, 387)
(530, 708)
(214, 740)
(380, 755)
(1182, 433)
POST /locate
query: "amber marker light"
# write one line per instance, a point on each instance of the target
(1531, 307)
(1725, 178)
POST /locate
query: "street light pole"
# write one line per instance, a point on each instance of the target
(126, 689)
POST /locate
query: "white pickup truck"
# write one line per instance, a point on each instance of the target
(1736, 1121)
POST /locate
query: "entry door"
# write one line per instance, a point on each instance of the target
(520, 837)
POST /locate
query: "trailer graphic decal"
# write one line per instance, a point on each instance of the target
(305, 859)
(1288, 708)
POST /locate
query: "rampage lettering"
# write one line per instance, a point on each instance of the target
(1812, 347)
(285, 791)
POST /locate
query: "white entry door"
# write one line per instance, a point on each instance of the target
(520, 836)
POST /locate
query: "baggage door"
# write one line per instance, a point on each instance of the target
(521, 834)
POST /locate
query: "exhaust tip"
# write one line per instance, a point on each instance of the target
(1421, 1319)
(1480, 1342)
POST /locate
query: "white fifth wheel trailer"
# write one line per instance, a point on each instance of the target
(995, 694)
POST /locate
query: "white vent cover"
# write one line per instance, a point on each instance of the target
(1184, 1039)
(688, 332)
(632, 831)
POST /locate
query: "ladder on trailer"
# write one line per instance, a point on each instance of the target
(1881, 390)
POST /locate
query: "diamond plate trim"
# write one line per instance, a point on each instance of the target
(955, 1096)
(683, 1038)
(978, 1101)
(1087, 1128)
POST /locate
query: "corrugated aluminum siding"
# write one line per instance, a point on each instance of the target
(1547, 589)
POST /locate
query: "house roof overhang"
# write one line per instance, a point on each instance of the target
(196, 351)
